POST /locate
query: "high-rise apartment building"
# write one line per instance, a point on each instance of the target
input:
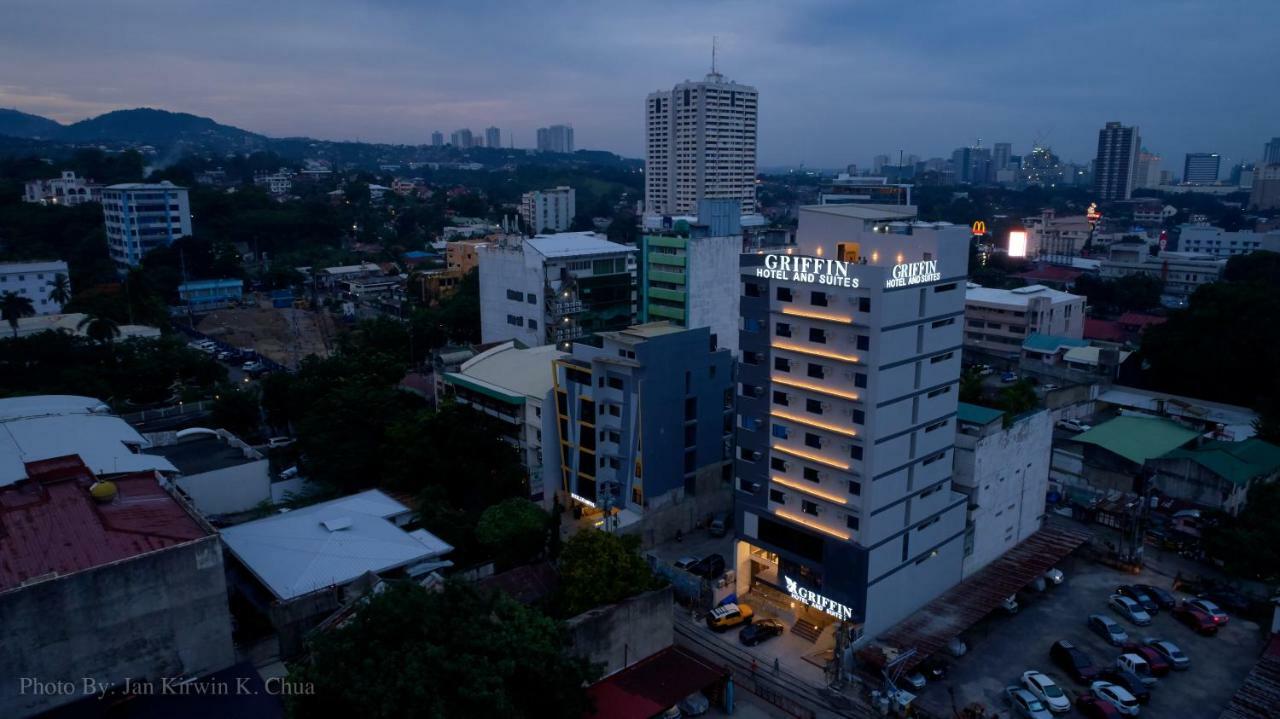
(462, 139)
(492, 137)
(1000, 154)
(877, 164)
(972, 165)
(1113, 168)
(1271, 152)
(848, 384)
(1201, 168)
(141, 217)
(700, 143)
(1147, 172)
(548, 210)
(437, 139)
(557, 138)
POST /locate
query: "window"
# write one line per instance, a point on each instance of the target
(533, 299)
(941, 358)
(851, 522)
(812, 440)
(817, 335)
(751, 358)
(859, 380)
(779, 431)
(784, 294)
(817, 371)
(691, 408)
(777, 495)
(782, 329)
(939, 391)
(818, 299)
(777, 465)
(782, 364)
(813, 406)
(864, 304)
(515, 296)
(533, 324)
(936, 425)
(615, 383)
(516, 320)
(751, 289)
(864, 342)
(855, 451)
(615, 410)
(811, 474)
(944, 323)
(780, 398)
(858, 416)
(809, 507)
(934, 458)
(855, 488)
(945, 288)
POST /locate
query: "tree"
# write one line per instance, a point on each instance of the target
(14, 307)
(99, 328)
(458, 652)
(1256, 529)
(60, 289)
(236, 410)
(514, 531)
(598, 568)
(1016, 399)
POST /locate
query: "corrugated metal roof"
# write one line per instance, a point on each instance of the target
(1259, 696)
(1037, 342)
(1138, 439)
(1237, 462)
(976, 414)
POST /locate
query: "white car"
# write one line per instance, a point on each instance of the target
(1130, 610)
(1055, 576)
(1117, 696)
(1025, 704)
(275, 442)
(1171, 652)
(1072, 425)
(685, 562)
(1046, 691)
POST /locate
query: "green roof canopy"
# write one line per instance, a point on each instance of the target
(1237, 462)
(1138, 439)
(976, 414)
(1037, 342)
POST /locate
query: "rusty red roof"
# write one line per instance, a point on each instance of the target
(1107, 330)
(1052, 273)
(51, 524)
(650, 686)
(1259, 696)
(1140, 321)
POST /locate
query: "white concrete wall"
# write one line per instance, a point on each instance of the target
(502, 270)
(714, 290)
(230, 489)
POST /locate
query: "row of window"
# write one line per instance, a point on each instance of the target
(518, 321)
(517, 296)
(811, 508)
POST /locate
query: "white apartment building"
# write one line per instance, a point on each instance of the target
(66, 190)
(552, 209)
(700, 143)
(1207, 240)
(1181, 272)
(33, 281)
(277, 183)
(512, 384)
(1004, 472)
(557, 138)
(848, 384)
(997, 322)
(554, 289)
(141, 217)
(1056, 237)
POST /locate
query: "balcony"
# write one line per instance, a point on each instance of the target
(559, 308)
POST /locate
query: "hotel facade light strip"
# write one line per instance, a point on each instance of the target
(811, 457)
(809, 490)
(812, 525)
(813, 423)
(792, 312)
(787, 381)
(800, 349)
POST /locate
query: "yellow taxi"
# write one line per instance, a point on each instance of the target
(727, 616)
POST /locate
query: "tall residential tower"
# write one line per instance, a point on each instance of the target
(1115, 165)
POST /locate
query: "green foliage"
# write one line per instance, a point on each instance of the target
(236, 410)
(514, 531)
(971, 387)
(1249, 545)
(60, 289)
(99, 328)
(14, 307)
(1017, 398)
(454, 653)
(1123, 294)
(598, 568)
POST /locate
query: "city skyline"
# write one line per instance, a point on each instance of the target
(392, 73)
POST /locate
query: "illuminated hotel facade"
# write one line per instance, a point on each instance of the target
(849, 381)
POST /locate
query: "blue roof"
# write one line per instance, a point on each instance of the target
(418, 255)
(1051, 343)
(976, 414)
(209, 284)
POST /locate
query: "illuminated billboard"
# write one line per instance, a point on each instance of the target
(1017, 243)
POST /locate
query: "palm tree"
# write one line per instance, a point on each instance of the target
(14, 307)
(61, 292)
(99, 328)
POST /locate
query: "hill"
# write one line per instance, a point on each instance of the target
(143, 126)
(21, 124)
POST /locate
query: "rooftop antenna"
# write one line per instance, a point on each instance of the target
(713, 54)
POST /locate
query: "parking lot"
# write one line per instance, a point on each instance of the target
(1002, 646)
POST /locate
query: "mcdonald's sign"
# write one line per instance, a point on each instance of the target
(979, 227)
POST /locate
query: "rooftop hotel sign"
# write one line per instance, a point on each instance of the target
(913, 273)
(817, 601)
(815, 270)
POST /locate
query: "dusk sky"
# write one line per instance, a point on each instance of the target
(839, 81)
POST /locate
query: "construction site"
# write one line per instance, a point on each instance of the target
(284, 335)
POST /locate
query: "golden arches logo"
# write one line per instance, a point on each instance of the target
(979, 227)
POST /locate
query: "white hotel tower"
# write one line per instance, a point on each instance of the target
(846, 422)
(700, 143)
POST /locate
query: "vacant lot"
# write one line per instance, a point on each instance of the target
(282, 335)
(1001, 647)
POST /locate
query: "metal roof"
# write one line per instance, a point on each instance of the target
(1138, 439)
(1236, 462)
(330, 543)
(570, 244)
(1038, 342)
(976, 414)
(1259, 696)
(509, 373)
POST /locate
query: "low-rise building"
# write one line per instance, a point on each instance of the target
(460, 255)
(846, 189)
(35, 281)
(1208, 240)
(103, 580)
(512, 384)
(1004, 471)
(1111, 456)
(277, 183)
(554, 289)
(1051, 359)
(644, 426)
(1216, 474)
(298, 567)
(66, 190)
(1181, 272)
(209, 295)
(1056, 238)
(75, 323)
(998, 321)
(217, 471)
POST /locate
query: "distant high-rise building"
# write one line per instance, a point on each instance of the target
(972, 165)
(141, 217)
(461, 139)
(700, 143)
(1117, 157)
(1271, 152)
(557, 138)
(1147, 172)
(548, 210)
(1000, 154)
(1201, 168)
(1266, 187)
(1041, 167)
(878, 162)
(437, 139)
(492, 137)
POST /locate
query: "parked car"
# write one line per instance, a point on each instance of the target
(1046, 691)
(1196, 619)
(1162, 597)
(1108, 628)
(710, 566)
(1136, 662)
(1130, 610)
(1072, 425)
(1117, 696)
(1130, 681)
(1010, 604)
(1094, 708)
(685, 562)
(761, 631)
(983, 369)
(1158, 666)
(1146, 601)
(719, 525)
(276, 442)
(1025, 704)
(1213, 610)
(694, 705)
(916, 680)
(225, 356)
(1073, 661)
(934, 669)
(727, 616)
(1009, 377)
(252, 366)
(1229, 600)
(1171, 653)
(1055, 576)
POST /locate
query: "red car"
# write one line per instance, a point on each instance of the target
(1095, 708)
(1159, 665)
(1199, 621)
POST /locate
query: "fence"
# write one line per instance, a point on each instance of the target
(150, 415)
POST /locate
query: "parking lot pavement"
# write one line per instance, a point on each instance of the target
(1001, 647)
(698, 543)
